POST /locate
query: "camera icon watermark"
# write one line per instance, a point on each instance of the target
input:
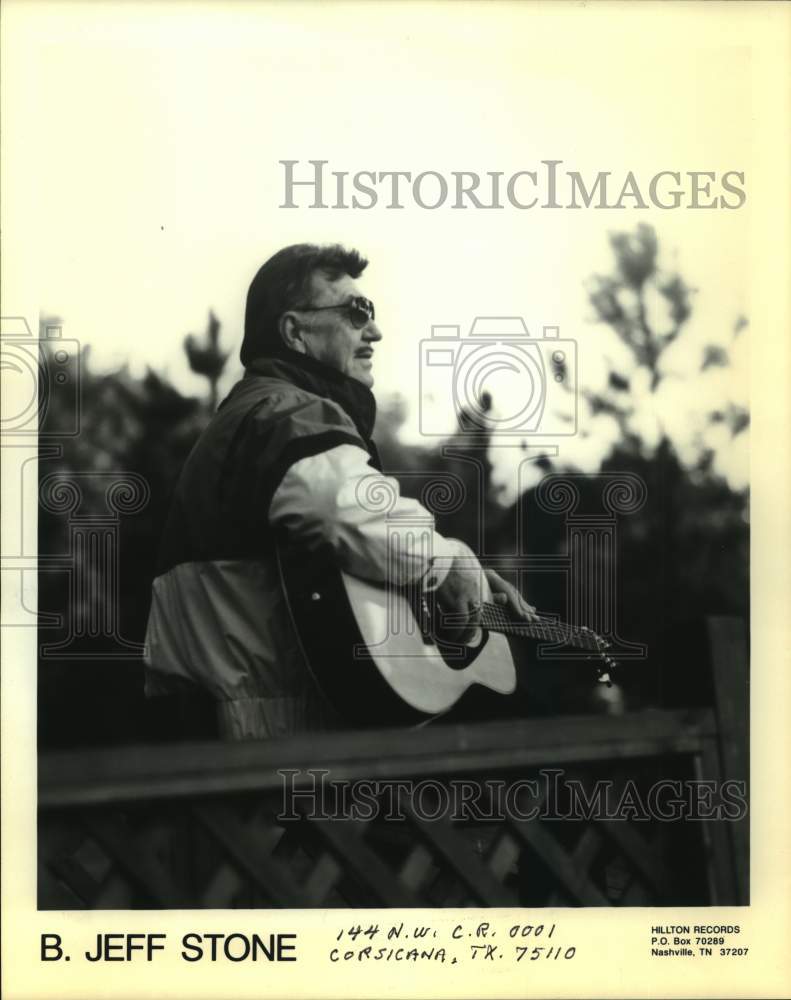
(500, 379)
(35, 369)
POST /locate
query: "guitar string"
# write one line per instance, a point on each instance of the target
(494, 617)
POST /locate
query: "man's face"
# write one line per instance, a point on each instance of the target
(329, 336)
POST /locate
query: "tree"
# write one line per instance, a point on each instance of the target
(648, 308)
(206, 358)
(126, 425)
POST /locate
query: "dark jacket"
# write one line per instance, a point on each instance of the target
(288, 451)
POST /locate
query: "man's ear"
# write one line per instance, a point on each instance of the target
(291, 333)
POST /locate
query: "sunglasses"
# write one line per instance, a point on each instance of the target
(360, 310)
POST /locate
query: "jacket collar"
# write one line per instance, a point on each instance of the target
(356, 399)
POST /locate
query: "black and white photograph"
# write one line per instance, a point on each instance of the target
(395, 499)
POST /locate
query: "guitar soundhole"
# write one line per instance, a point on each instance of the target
(455, 655)
(459, 657)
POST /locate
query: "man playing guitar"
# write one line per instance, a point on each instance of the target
(289, 455)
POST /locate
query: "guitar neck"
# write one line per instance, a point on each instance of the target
(494, 619)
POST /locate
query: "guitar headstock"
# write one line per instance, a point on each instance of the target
(607, 665)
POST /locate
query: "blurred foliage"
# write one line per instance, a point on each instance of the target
(126, 424)
(683, 556)
(694, 527)
(205, 357)
(628, 302)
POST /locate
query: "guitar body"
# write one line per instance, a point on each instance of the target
(371, 653)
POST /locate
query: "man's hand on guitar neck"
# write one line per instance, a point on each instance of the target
(508, 597)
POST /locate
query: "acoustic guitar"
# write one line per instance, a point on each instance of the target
(377, 654)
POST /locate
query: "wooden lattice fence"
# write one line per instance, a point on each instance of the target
(196, 825)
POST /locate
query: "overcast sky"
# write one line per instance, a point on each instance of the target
(144, 145)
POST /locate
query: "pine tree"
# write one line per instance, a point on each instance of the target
(205, 358)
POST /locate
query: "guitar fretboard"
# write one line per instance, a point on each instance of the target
(495, 619)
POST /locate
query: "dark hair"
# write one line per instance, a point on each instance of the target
(282, 282)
